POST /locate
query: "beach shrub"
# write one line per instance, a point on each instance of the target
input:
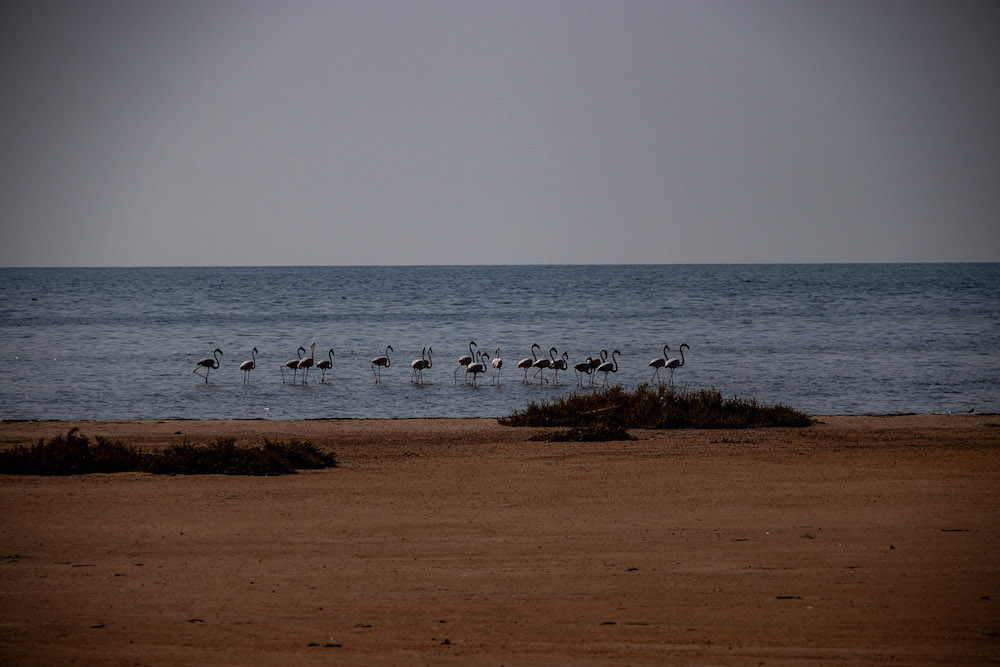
(70, 454)
(223, 457)
(656, 407)
(74, 454)
(302, 454)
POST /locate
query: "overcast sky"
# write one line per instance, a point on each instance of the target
(212, 132)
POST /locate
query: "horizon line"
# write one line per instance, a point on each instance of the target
(304, 266)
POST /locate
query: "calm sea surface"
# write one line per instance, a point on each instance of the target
(828, 339)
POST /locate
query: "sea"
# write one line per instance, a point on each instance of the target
(827, 339)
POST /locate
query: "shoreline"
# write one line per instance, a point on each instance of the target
(856, 540)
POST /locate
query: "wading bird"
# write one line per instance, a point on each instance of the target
(582, 368)
(208, 363)
(674, 364)
(248, 366)
(609, 367)
(597, 361)
(543, 363)
(427, 364)
(497, 365)
(560, 364)
(526, 362)
(325, 365)
(382, 362)
(293, 364)
(465, 359)
(306, 364)
(418, 365)
(476, 368)
(659, 363)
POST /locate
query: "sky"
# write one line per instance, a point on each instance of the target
(306, 132)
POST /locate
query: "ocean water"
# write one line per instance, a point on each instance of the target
(121, 343)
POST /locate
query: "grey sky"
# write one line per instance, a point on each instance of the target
(480, 132)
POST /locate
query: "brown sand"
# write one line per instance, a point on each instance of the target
(859, 540)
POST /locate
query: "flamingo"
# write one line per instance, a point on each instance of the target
(381, 362)
(465, 359)
(476, 368)
(526, 362)
(306, 364)
(417, 365)
(497, 365)
(597, 361)
(674, 364)
(609, 367)
(325, 365)
(426, 364)
(659, 363)
(543, 363)
(560, 364)
(208, 363)
(581, 368)
(248, 366)
(293, 364)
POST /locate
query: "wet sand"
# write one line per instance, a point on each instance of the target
(858, 540)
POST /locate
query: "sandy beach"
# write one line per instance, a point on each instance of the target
(859, 540)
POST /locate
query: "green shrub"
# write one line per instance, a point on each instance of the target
(656, 407)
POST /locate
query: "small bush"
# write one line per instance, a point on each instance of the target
(74, 454)
(302, 454)
(70, 454)
(656, 407)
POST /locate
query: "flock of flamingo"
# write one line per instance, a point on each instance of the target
(474, 363)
